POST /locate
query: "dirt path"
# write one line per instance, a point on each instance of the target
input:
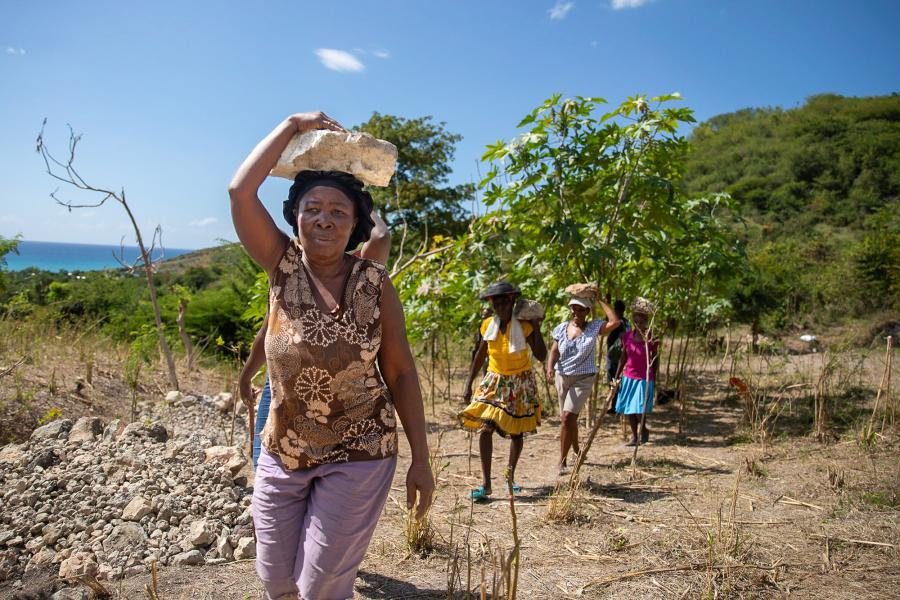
(734, 521)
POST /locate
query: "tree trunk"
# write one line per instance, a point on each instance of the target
(157, 315)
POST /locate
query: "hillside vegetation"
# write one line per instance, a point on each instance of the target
(819, 191)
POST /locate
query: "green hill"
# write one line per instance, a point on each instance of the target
(834, 160)
(819, 192)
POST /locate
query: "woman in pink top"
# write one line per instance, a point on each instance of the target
(637, 369)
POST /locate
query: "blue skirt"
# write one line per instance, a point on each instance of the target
(631, 396)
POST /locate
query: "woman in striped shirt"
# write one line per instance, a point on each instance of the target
(572, 365)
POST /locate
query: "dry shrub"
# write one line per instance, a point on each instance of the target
(491, 570)
(420, 534)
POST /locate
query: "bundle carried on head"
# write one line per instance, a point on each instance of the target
(588, 291)
(643, 306)
(370, 160)
(524, 310)
(528, 310)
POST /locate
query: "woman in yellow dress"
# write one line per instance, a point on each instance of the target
(505, 401)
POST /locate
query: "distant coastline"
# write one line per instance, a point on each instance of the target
(59, 256)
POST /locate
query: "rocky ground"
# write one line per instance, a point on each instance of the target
(703, 512)
(93, 500)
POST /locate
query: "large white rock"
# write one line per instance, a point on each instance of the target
(86, 429)
(137, 509)
(246, 548)
(367, 158)
(201, 533)
(58, 429)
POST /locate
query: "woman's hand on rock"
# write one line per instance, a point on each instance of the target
(419, 479)
(308, 121)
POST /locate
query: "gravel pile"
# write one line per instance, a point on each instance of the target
(105, 500)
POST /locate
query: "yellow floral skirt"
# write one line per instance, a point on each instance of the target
(508, 403)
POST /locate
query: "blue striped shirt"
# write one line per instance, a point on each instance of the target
(578, 356)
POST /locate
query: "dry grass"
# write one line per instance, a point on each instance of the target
(60, 371)
(715, 512)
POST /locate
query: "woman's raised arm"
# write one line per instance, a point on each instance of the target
(262, 239)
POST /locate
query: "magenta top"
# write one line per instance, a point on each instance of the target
(636, 350)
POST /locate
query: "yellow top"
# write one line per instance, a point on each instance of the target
(500, 360)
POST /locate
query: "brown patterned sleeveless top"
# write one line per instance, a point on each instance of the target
(329, 402)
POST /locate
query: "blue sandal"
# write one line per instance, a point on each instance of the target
(479, 494)
(516, 488)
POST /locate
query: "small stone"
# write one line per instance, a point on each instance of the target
(12, 454)
(70, 594)
(367, 158)
(137, 509)
(223, 401)
(105, 572)
(200, 533)
(191, 557)
(86, 429)
(51, 534)
(112, 430)
(42, 459)
(42, 558)
(80, 564)
(224, 549)
(54, 430)
(246, 548)
(155, 431)
(174, 396)
(231, 457)
(125, 537)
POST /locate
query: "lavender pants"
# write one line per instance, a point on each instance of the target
(313, 526)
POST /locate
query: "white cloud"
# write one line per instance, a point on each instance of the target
(381, 54)
(15, 51)
(204, 222)
(338, 60)
(561, 9)
(10, 219)
(621, 4)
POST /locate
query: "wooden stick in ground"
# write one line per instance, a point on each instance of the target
(582, 456)
(514, 556)
(884, 377)
(888, 396)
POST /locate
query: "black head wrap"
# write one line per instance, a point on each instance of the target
(499, 288)
(346, 183)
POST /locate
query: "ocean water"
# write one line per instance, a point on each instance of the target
(55, 256)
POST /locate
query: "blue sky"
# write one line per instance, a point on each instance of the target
(170, 96)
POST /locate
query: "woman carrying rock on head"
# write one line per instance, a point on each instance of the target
(572, 366)
(506, 399)
(339, 364)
